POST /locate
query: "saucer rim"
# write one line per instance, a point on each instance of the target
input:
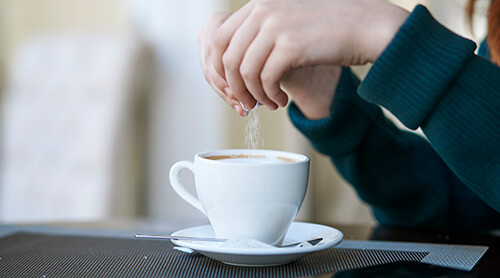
(333, 241)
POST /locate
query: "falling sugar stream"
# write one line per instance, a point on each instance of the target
(252, 136)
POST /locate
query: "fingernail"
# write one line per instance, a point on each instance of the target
(240, 111)
(236, 108)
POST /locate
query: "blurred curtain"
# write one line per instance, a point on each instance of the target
(70, 129)
(70, 133)
(186, 117)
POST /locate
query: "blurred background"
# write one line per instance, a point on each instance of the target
(98, 98)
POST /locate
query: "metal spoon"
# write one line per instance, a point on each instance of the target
(312, 241)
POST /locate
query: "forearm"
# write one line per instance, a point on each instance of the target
(400, 176)
(431, 78)
(379, 160)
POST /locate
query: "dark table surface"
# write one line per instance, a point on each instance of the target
(488, 266)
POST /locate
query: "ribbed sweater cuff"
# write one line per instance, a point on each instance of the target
(417, 67)
(349, 120)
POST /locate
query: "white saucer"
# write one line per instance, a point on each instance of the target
(246, 256)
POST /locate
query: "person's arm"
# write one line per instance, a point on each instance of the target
(429, 77)
(380, 160)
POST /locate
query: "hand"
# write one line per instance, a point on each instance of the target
(257, 45)
(312, 88)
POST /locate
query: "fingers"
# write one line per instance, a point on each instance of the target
(233, 102)
(224, 34)
(251, 66)
(238, 60)
(275, 67)
(217, 83)
(214, 22)
(205, 42)
(232, 60)
(214, 41)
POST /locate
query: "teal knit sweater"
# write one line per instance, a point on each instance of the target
(428, 77)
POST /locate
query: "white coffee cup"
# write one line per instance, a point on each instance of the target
(246, 193)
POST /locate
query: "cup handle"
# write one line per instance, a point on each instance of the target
(179, 188)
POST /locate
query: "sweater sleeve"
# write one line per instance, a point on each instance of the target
(430, 77)
(379, 159)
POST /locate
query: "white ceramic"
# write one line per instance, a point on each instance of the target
(257, 201)
(299, 231)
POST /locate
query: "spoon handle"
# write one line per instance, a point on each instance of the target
(212, 239)
(181, 238)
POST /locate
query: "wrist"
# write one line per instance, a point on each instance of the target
(314, 97)
(388, 21)
(315, 109)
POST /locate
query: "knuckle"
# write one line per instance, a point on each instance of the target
(219, 38)
(266, 5)
(288, 42)
(273, 22)
(217, 81)
(217, 16)
(228, 62)
(207, 52)
(268, 14)
(213, 16)
(260, 10)
(205, 74)
(210, 78)
(247, 72)
(266, 77)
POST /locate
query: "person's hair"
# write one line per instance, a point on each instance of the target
(493, 33)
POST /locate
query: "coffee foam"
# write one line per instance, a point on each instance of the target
(254, 160)
(251, 158)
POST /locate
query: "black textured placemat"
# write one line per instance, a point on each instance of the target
(38, 255)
